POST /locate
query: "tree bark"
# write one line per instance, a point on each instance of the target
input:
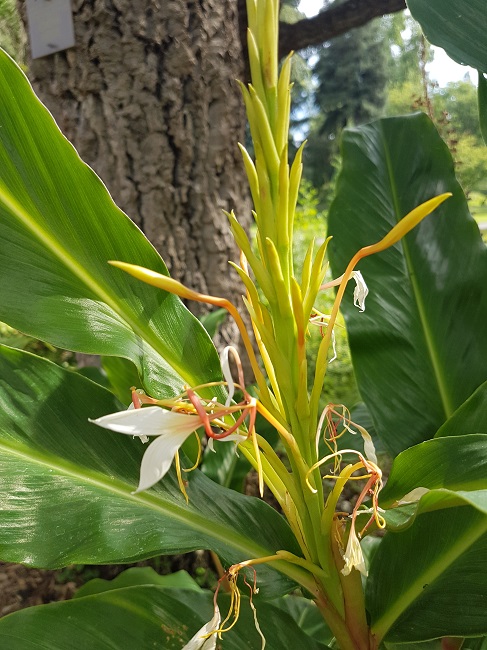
(148, 98)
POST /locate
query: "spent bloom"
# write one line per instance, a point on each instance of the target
(360, 291)
(205, 638)
(353, 556)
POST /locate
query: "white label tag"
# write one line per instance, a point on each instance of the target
(50, 26)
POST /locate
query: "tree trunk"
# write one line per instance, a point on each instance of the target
(148, 98)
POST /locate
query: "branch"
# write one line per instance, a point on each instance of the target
(332, 22)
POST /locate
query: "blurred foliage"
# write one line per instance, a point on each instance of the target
(15, 339)
(404, 38)
(350, 78)
(453, 108)
(12, 35)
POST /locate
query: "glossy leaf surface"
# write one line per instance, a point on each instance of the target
(66, 490)
(430, 581)
(470, 417)
(458, 26)
(457, 463)
(59, 229)
(145, 617)
(419, 348)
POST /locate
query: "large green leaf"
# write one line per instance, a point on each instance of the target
(457, 463)
(59, 228)
(470, 417)
(145, 617)
(458, 26)
(430, 581)
(307, 616)
(66, 489)
(403, 516)
(419, 348)
(138, 576)
(482, 103)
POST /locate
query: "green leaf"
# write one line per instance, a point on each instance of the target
(66, 494)
(307, 616)
(226, 468)
(213, 320)
(482, 101)
(419, 348)
(59, 229)
(470, 417)
(431, 580)
(478, 643)
(138, 576)
(121, 375)
(457, 463)
(145, 617)
(425, 645)
(458, 26)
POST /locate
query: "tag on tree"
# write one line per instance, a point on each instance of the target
(50, 26)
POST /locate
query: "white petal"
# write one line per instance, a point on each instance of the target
(142, 438)
(234, 437)
(198, 642)
(334, 346)
(369, 447)
(227, 373)
(150, 421)
(354, 558)
(413, 496)
(158, 458)
(361, 290)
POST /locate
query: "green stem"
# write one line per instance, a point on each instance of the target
(336, 624)
(353, 596)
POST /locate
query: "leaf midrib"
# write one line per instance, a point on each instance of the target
(78, 271)
(448, 407)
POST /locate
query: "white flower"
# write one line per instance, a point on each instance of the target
(201, 640)
(361, 290)
(142, 438)
(353, 556)
(171, 430)
(359, 293)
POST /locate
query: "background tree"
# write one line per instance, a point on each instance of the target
(350, 84)
(148, 98)
(12, 36)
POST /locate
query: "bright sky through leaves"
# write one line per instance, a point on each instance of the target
(442, 69)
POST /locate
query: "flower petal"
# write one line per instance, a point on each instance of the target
(353, 556)
(158, 458)
(200, 641)
(227, 373)
(361, 290)
(150, 421)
